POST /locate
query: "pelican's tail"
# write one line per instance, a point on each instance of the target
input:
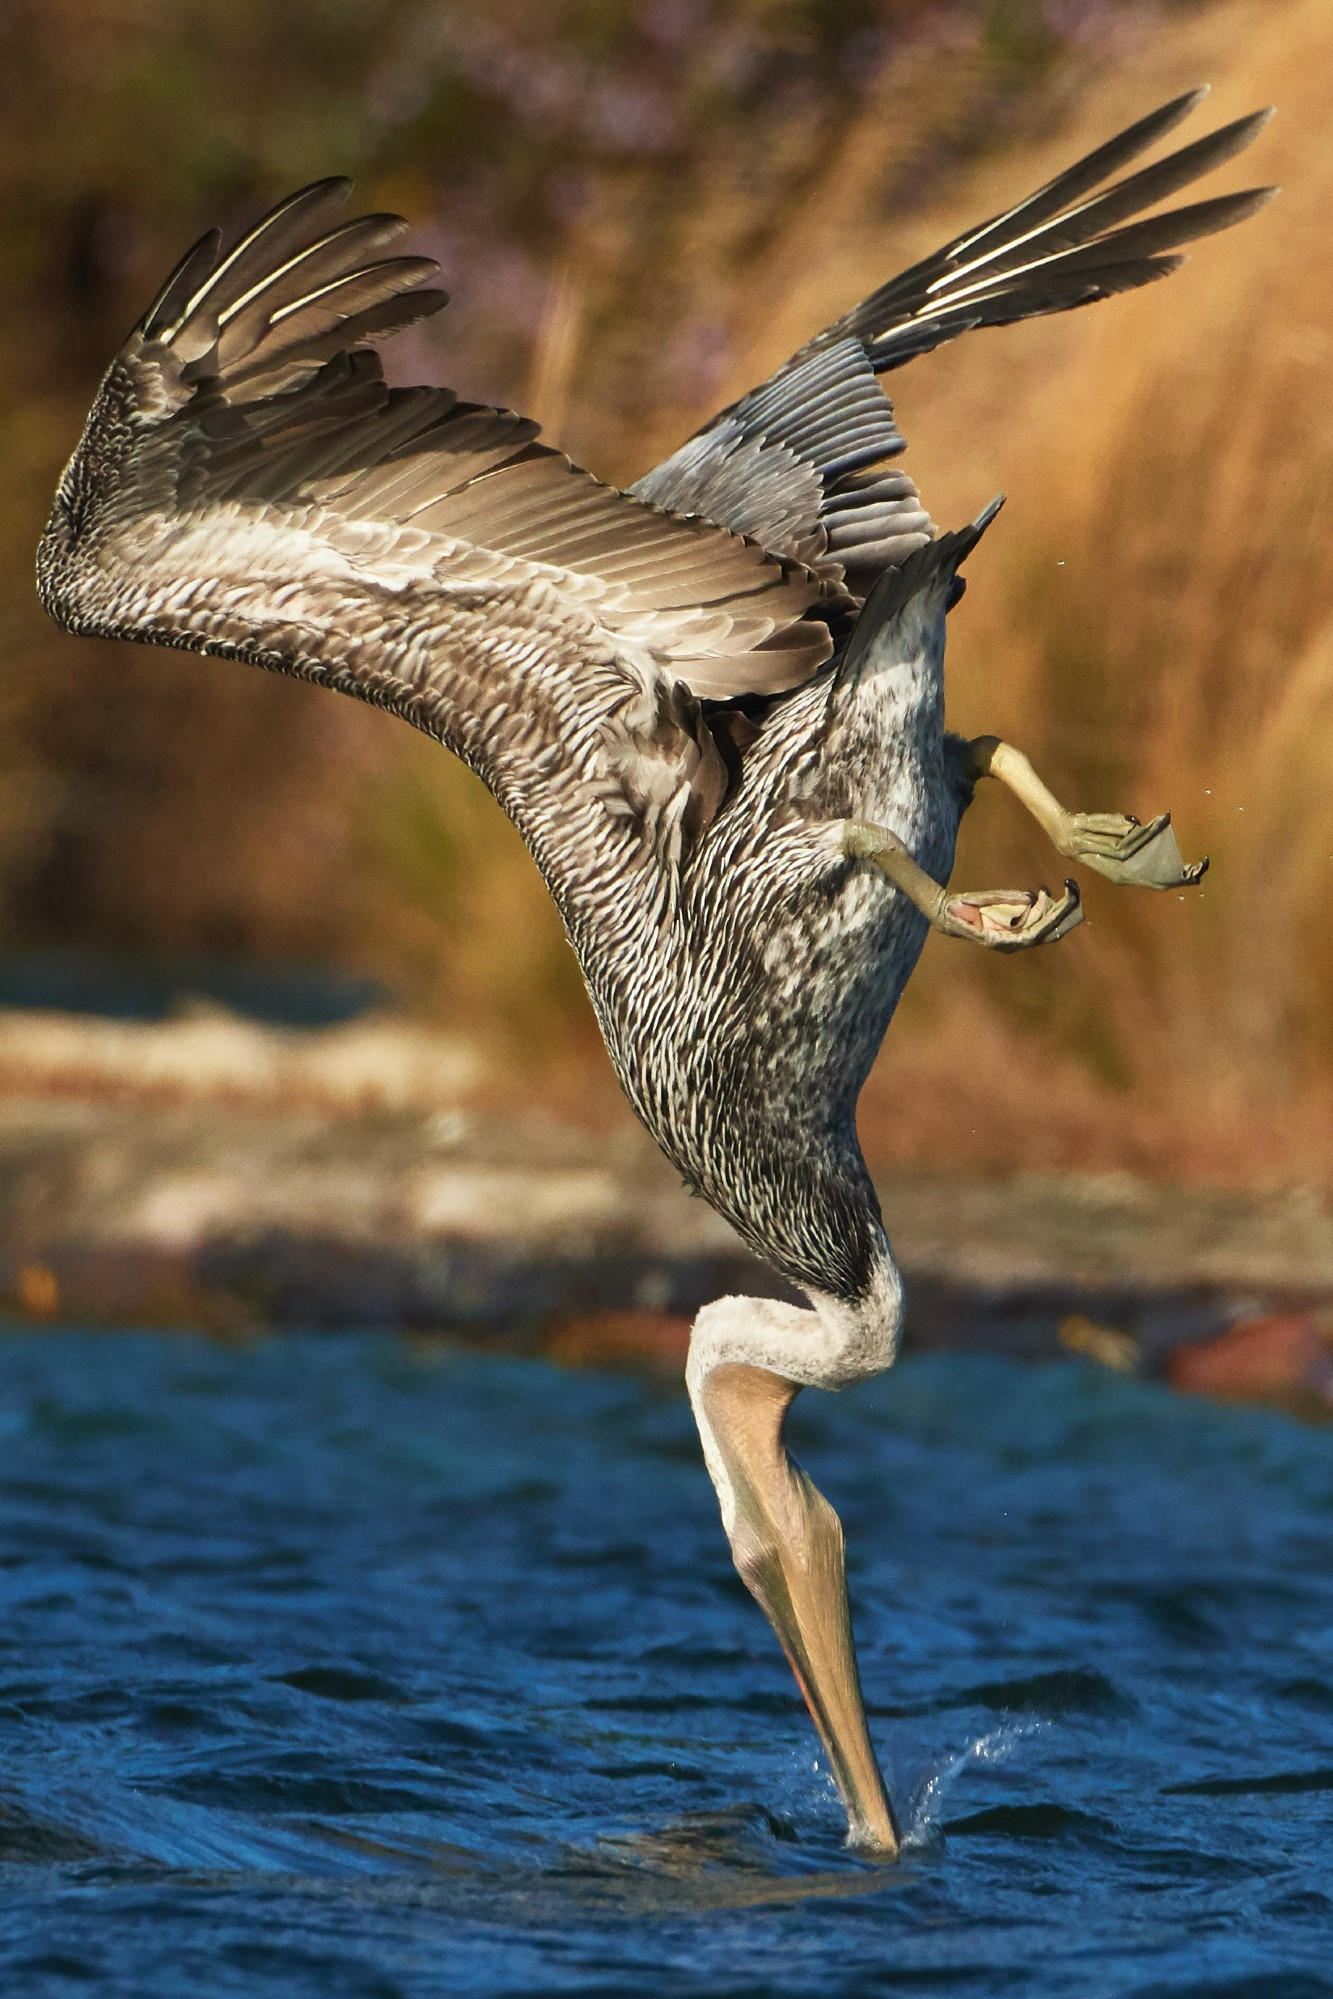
(925, 587)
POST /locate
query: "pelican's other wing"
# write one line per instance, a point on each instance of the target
(800, 463)
(247, 485)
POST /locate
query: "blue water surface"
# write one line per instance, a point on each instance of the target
(349, 1668)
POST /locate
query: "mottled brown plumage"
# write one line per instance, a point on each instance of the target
(744, 815)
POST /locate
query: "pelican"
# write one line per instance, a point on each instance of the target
(712, 705)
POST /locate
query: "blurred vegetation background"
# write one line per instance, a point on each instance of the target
(640, 207)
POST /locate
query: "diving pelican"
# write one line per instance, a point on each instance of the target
(712, 706)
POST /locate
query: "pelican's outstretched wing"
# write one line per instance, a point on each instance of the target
(247, 485)
(800, 463)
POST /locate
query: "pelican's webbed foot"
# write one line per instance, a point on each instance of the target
(999, 919)
(1124, 851)
(1011, 919)
(1112, 842)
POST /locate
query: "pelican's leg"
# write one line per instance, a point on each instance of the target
(1003, 919)
(786, 1542)
(1112, 842)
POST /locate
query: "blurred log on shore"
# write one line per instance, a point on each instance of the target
(285, 1179)
(1281, 1357)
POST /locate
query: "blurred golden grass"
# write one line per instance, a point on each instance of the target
(1149, 619)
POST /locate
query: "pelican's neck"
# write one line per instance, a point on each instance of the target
(837, 1343)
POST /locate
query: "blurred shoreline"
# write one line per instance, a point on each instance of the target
(214, 1173)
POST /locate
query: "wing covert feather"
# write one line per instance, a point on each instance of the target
(800, 462)
(249, 485)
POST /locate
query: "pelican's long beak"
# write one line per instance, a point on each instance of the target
(787, 1544)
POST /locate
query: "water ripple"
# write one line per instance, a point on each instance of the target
(338, 1667)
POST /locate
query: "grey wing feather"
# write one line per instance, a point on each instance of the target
(247, 484)
(819, 434)
(794, 453)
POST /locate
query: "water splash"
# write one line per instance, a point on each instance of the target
(925, 1809)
